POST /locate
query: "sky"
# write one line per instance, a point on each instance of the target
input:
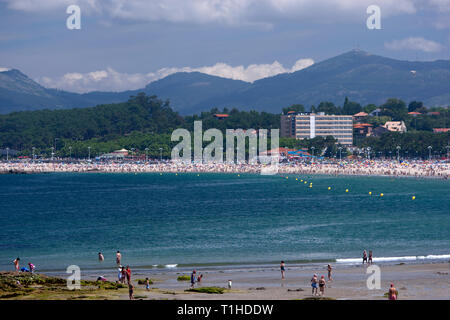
(126, 44)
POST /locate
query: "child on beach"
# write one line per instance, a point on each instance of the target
(364, 257)
(199, 279)
(370, 257)
(322, 284)
(100, 257)
(314, 285)
(193, 279)
(32, 267)
(282, 269)
(147, 284)
(131, 291)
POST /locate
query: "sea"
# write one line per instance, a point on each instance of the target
(169, 221)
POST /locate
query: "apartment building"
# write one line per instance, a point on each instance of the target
(310, 125)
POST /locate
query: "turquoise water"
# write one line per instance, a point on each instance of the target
(55, 220)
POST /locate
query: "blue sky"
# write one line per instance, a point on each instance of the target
(125, 44)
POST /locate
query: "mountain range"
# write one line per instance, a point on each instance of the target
(358, 75)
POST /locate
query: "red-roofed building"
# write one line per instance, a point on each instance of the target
(441, 130)
(221, 115)
(360, 116)
(414, 113)
(362, 129)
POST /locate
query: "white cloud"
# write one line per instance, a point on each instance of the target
(112, 80)
(223, 11)
(414, 43)
(441, 5)
(4, 69)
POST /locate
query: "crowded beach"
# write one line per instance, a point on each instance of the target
(413, 168)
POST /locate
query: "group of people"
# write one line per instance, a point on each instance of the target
(366, 259)
(195, 279)
(31, 267)
(124, 274)
(315, 281)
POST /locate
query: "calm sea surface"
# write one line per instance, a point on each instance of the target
(55, 220)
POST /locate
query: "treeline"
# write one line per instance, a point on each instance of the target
(392, 109)
(146, 122)
(141, 122)
(415, 144)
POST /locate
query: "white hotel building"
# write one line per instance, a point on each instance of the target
(310, 125)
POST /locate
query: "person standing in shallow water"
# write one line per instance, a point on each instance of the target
(193, 279)
(118, 257)
(370, 257)
(364, 257)
(283, 270)
(100, 257)
(128, 273)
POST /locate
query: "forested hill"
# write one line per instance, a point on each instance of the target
(358, 75)
(140, 114)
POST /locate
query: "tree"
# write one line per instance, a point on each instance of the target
(395, 108)
(295, 107)
(350, 107)
(414, 105)
(328, 108)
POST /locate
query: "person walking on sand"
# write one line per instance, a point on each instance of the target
(131, 291)
(392, 293)
(16, 263)
(314, 285)
(370, 257)
(147, 284)
(330, 269)
(322, 284)
(364, 257)
(118, 257)
(282, 269)
(100, 257)
(193, 279)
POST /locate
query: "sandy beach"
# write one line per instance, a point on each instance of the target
(413, 281)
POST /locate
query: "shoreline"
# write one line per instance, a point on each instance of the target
(230, 267)
(415, 169)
